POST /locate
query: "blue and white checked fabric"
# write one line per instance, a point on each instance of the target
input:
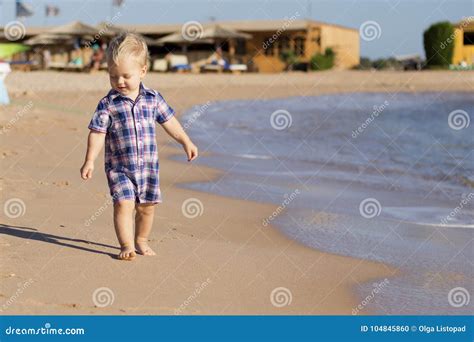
(131, 154)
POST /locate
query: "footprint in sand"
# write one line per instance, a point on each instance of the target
(62, 184)
(8, 153)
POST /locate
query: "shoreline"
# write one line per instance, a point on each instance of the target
(257, 264)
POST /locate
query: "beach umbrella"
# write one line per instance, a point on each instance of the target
(75, 28)
(107, 29)
(50, 39)
(209, 35)
(220, 32)
(9, 49)
(177, 38)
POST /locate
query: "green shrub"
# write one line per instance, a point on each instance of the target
(289, 57)
(323, 61)
(438, 41)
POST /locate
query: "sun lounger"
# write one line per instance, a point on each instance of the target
(160, 65)
(179, 63)
(233, 68)
(212, 68)
(65, 66)
(237, 68)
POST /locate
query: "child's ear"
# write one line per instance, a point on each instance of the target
(144, 70)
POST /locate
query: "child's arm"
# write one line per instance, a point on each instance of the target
(95, 142)
(176, 131)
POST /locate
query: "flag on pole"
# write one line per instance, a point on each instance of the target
(51, 11)
(23, 10)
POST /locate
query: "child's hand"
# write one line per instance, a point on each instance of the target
(87, 169)
(191, 151)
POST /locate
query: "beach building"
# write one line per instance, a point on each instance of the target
(254, 45)
(464, 43)
(269, 38)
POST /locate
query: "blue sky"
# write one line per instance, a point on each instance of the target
(401, 22)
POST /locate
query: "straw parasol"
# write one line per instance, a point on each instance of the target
(213, 34)
(75, 28)
(50, 39)
(109, 30)
(210, 35)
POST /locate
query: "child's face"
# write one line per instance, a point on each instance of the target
(125, 77)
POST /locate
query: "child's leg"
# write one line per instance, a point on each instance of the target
(143, 225)
(123, 222)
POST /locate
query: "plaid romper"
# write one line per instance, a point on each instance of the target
(131, 154)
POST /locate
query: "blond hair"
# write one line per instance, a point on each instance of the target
(127, 44)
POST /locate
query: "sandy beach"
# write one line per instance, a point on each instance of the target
(58, 243)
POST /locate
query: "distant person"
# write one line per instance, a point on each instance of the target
(4, 71)
(97, 57)
(217, 59)
(46, 58)
(125, 122)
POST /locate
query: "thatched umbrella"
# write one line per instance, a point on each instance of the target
(219, 32)
(50, 39)
(75, 28)
(106, 29)
(210, 35)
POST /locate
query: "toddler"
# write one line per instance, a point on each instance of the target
(124, 122)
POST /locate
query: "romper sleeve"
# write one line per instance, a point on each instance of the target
(101, 118)
(163, 111)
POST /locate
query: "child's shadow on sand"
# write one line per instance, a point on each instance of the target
(34, 234)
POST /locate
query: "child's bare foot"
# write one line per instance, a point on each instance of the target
(127, 253)
(143, 248)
